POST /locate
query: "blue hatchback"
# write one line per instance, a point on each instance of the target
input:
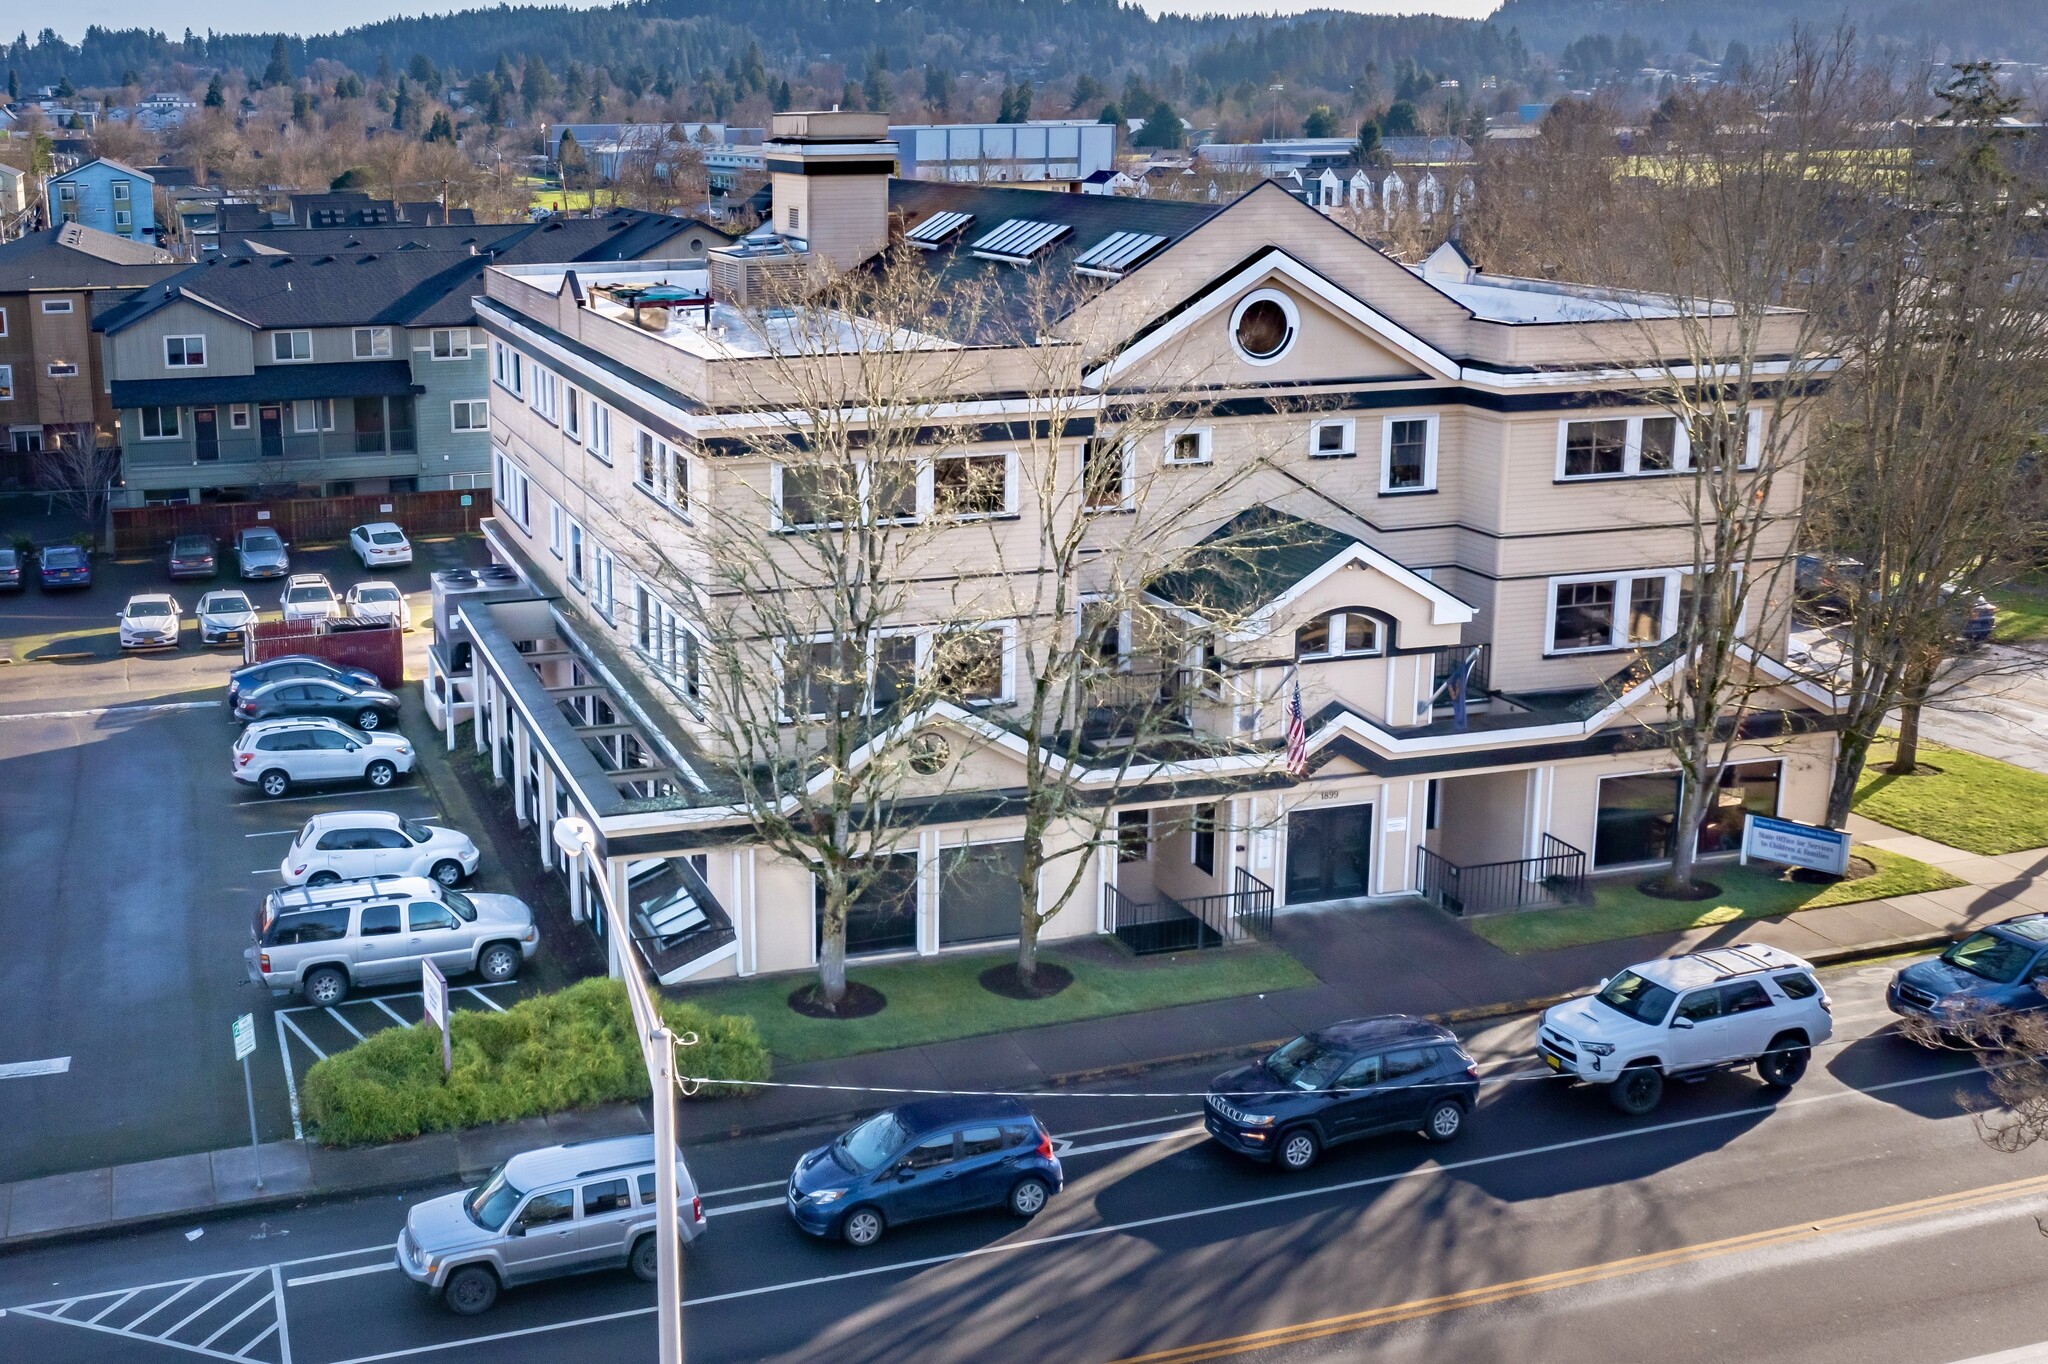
(1994, 970)
(925, 1159)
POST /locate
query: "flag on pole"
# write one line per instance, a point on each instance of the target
(1297, 736)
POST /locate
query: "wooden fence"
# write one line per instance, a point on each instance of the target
(146, 530)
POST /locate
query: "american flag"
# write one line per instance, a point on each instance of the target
(1297, 736)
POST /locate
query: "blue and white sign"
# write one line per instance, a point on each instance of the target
(1795, 845)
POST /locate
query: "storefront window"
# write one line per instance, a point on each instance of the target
(1636, 816)
(979, 896)
(883, 917)
(1746, 789)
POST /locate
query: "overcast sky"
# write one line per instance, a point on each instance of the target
(245, 16)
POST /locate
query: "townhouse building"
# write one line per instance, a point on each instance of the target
(1472, 568)
(107, 196)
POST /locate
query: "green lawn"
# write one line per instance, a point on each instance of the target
(1975, 803)
(1757, 891)
(2022, 611)
(938, 1001)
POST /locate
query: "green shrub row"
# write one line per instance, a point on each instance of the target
(570, 1049)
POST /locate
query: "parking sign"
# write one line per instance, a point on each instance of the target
(245, 1036)
(434, 994)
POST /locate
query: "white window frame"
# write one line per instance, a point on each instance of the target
(1123, 626)
(512, 492)
(185, 344)
(177, 431)
(776, 520)
(124, 218)
(1349, 448)
(508, 369)
(576, 562)
(238, 417)
(1287, 309)
(546, 393)
(598, 439)
(572, 412)
(123, 192)
(1338, 620)
(372, 336)
(322, 410)
(1204, 446)
(928, 491)
(556, 528)
(50, 305)
(1623, 581)
(1432, 422)
(290, 341)
(1006, 691)
(1632, 453)
(603, 580)
(1127, 498)
(448, 343)
(665, 639)
(469, 414)
(668, 460)
(1752, 442)
(61, 369)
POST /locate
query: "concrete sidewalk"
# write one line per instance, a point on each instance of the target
(1401, 957)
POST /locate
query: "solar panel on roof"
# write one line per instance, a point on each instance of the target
(1118, 252)
(937, 228)
(1020, 239)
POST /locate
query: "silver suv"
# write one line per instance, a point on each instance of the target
(559, 1210)
(320, 940)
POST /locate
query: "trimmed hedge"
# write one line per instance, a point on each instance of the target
(570, 1049)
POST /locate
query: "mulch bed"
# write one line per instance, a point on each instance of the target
(1655, 889)
(1046, 982)
(859, 1001)
(1859, 867)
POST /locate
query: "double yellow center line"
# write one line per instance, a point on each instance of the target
(1591, 1274)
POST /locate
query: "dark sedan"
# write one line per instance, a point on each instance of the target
(1358, 1079)
(290, 667)
(10, 569)
(62, 566)
(366, 708)
(1998, 969)
(194, 556)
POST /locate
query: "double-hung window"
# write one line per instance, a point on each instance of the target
(546, 391)
(558, 521)
(664, 641)
(513, 494)
(576, 552)
(1108, 474)
(469, 414)
(1334, 438)
(1715, 435)
(1620, 447)
(974, 665)
(1613, 610)
(572, 412)
(969, 486)
(449, 343)
(372, 343)
(508, 368)
(662, 471)
(1408, 454)
(291, 347)
(603, 571)
(598, 439)
(184, 352)
(312, 414)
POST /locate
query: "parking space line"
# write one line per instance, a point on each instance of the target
(471, 989)
(218, 1299)
(154, 1310)
(755, 1206)
(271, 833)
(241, 1317)
(111, 1306)
(148, 709)
(284, 1330)
(267, 1332)
(346, 1024)
(745, 1188)
(291, 1084)
(396, 1017)
(319, 795)
(302, 1036)
(331, 1275)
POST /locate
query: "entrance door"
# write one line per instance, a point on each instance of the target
(270, 423)
(1329, 853)
(205, 433)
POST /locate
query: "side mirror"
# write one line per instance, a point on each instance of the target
(1681, 1023)
(1603, 984)
(904, 1172)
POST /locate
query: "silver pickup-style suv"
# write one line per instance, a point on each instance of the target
(560, 1210)
(1686, 1017)
(321, 940)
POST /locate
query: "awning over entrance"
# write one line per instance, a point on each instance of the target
(273, 384)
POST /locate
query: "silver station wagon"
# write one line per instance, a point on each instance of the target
(322, 940)
(559, 1210)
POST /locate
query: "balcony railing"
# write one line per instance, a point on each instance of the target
(1557, 877)
(1141, 699)
(1169, 925)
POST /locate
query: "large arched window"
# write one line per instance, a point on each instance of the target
(1340, 634)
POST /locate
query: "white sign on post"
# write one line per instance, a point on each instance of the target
(245, 1047)
(434, 994)
(1795, 845)
(245, 1036)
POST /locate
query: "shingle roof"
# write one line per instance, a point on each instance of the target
(78, 257)
(401, 288)
(272, 383)
(626, 234)
(1248, 561)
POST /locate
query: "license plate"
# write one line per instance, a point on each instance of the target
(1555, 1064)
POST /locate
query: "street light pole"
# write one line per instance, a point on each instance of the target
(577, 840)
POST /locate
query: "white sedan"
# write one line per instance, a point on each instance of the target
(377, 600)
(380, 543)
(151, 620)
(308, 597)
(225, 616)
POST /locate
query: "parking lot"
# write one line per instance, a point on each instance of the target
(135, 863)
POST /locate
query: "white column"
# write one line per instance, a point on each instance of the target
(613, 869)
(930, 865)
(544, 818)
(519, 762)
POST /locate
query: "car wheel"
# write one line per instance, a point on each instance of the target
(862, 1227)
(1298, 1149)
(274, 783)
(500, 961)
(645, 1259)
(1639, 1090)
(1784, 1063)
(322, 878)
(448, 872)
(367, 719)
(326, 985)
(380, 774)
(1027, 1198)
(470, 1290)
(1445, 1121)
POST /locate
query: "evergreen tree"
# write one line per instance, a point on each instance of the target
(938, 88)
(785, 98)
(1321, 122)
(852, 98)
(13, 84)
(537, 84)
(1736, 59)
(424, 74)
(1111, 114)
(42, 154)
(404, 106)
(442, 129)
(495, 111)
(1162, 129)
(130, 79)
(216, 97)
(1367, 148)
(1402, 119)
(279, 72)
(1087, 90)
(65, 89)
(574, 89)
(383, 69)
(876, 88)
(753, 75)
(302, 108)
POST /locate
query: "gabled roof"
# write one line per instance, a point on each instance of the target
(78, 257)
(1249, 562)
(120, 166)
(401, 288)
(625, 234)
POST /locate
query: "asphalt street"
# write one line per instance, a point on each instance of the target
(1859, 1217)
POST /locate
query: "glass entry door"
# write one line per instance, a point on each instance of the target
(1329, 853)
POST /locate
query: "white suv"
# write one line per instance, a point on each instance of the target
(357, 843)
(1687, 1016)
(275, 755)
(308, 597)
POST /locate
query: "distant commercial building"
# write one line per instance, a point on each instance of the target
(1068, 149)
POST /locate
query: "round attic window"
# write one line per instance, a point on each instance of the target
(1264, 326)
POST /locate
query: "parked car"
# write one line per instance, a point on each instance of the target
(63, 566)
(559, 1210)
(380, 544)
(925, 1159)
(366, 708)
(322, 941)
(308, 597)
(377, 600)
(259, 553)
(274, 755)
(1823, 588)
(10, 569)
(288, 666)
(1976, 616)
(194, 556)
(225, 616)
(1998, 969)
(1686, 1016)
(358, 843)
(1358, 1079)
(151, 620)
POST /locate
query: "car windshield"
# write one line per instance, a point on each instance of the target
(463, 906)
(387, 537)
(1643, 1000)
(63, 556)
(149, 608)
(417, 832)
(8, 558)
(313, 593)
(1998, 960)
(491, 1202)
(220, 603)
(871, 1143)
(1306, 1063)
(355, 736)
(376, 594)
(262, 540)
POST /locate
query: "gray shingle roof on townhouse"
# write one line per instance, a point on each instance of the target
(626, 234)
(368, 288)
(78, 257)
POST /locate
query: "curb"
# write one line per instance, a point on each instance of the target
(187, 1216)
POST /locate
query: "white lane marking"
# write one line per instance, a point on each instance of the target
(218, 1299)
(1120, 1126)
(744, 1207)
(237, 1320)
(190, 1284)
(152, 708)
(346, 1024)
(433, 811)
(112, 1305)
(745, 1188)
(1107, 1229)
(284, 1330)
(396, 1017)
(271, 833)
(264, 871)
(291, 1084)
(298, 1033)
(471, 989)
(15, 1070)
(1122, 1142)
(331, 1275)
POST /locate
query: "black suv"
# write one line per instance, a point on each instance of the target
(1393, 1073)
(364, 707)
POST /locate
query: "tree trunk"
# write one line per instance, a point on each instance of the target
(1685, 836)
(1907, 760)
(1851, 751)
(832, 956)
(1027, 950)
(1028, 921)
